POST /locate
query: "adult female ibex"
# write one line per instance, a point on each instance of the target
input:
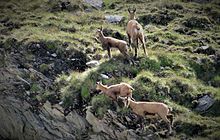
(135, 31)
(110, 42)
(114, 91)
(150, 109)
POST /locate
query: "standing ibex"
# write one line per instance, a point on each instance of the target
(150, 109)
(135, 31)
(110, 42)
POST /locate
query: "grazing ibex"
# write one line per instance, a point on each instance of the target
(114, 91)
(150, 109)
(135, 32)
(109, 42)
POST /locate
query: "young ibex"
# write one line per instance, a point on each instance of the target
(135, 32)
(114, 91)
(109, 42)
(150, 109)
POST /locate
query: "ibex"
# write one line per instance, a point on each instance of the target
(150, 109)
(114, 91)
(135, 32)
(109, 42)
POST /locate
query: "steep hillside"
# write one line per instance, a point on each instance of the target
(50, 62)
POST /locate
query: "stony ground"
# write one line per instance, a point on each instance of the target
(50, 62)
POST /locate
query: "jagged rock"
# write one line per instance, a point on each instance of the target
(93, 121)
(114, 18)
(19, 122)
(98, 125)
(113, 117)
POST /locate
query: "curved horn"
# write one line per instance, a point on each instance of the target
(134, 10)
(129, 10)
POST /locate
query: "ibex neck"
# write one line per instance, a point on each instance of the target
(132, 18)
(131, 103)
(103, 88)
(101, 36)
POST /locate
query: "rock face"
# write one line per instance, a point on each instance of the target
(18, 121)
(23, 116)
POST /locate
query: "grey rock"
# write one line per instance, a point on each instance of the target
(204, 47)
(93, 121)
(99, 125)
(114, 18)
(205, 50)
(95, 3)
(204, 103)
(92, 63)
(104, 76)
(54, 55)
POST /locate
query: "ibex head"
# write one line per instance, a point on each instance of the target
(99, 85)
(99, 32)
(132, 13)
(126, 101)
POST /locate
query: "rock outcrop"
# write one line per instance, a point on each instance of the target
(20, 121)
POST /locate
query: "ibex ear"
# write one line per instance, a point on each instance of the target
(101, 28)
(97, 83)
